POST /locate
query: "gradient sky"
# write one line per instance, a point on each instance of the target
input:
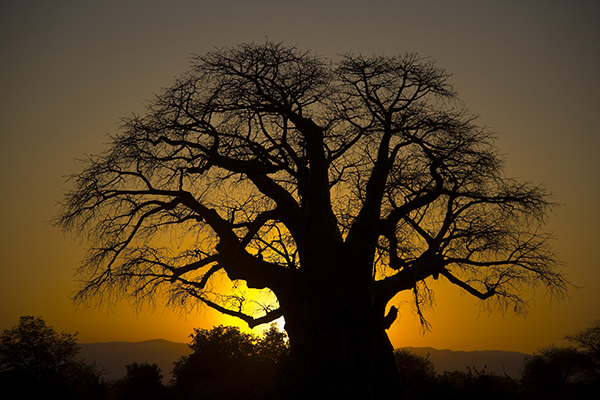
(70, 69)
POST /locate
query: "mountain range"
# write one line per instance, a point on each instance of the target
(112, 357)
(499, 362)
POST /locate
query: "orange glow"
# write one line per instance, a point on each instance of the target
(70, 71)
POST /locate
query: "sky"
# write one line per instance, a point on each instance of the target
(69, 70)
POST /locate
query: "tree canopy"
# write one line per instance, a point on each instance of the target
(228, 364)
(333, 186)
(36, 361)
(588, 339)
(35, 348)
(258, 146)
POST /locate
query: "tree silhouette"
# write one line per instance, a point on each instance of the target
(560, 373)
(273, 346)
(34, 347)
(36, 361)
(418, 373)
(589, 341)
(228, 364)
(141, 382)
(475, 384)
(331, 186)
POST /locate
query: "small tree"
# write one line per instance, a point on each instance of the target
(332, 186)
(141, 382)
(273, 346)
(36, 349)
(559, 372)
(228, 364)
(589, 341)
(35, 360)
(418, 372)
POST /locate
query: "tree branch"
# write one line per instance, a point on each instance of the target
(469, 289)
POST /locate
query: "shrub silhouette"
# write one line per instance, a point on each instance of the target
(477, 384)
(141, 382)
(418, 373)
(422, 382)
(560, 373)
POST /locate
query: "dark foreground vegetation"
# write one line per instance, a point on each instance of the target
(37, 362)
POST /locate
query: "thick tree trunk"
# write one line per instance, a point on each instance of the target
(339, 346)
(339, 352)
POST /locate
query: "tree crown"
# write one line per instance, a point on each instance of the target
(272, 166)
(35, 348)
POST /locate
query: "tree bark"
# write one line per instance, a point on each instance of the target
(339, 349)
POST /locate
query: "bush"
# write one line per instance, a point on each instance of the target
(38, 362)
(228, 364)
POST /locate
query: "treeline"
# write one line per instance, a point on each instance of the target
(555, 373)
(36, 362)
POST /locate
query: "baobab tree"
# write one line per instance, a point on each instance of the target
(332, 186)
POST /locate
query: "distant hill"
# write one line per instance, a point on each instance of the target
(112, 357)
(500, 362)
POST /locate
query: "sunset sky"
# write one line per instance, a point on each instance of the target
(71, 69)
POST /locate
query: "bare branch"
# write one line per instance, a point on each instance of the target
(346, 183)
